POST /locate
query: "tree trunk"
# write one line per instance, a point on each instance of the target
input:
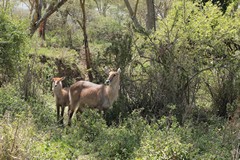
(150, 20)
(102, 7)
(87, 50)
(42, 29)
(5, 4)
(133, 15)
(66, 28)
(50, 10)
(42, 26)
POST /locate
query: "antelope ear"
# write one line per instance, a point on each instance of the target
(62, 78)
(119, 70)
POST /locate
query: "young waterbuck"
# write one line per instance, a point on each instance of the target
(99, 96)
(61, 96)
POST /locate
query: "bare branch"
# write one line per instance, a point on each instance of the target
(133, 16)
(80, 24)
(135, 10)
(50, 10)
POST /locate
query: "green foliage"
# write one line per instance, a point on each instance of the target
(214, 139)
(119, 142)
(42, 65)
(164, 143)
(193, 49)
(63, 53)
(33, 134)
(51, 150)
(43, 112)
(224, 4)
(190, 65)
(17, 136)
(120, 50)
(18, 128)
(12, 41)
(91, 125)
(11, 102)
(116, 143)
(103, 29)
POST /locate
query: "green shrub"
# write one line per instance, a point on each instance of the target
(165, 143)
(82, 134)
(212, 139)
(104, 29)
(32, 134)
(91, 124)
(120, 142)
(48, 149)
(12, 40)
(10, 100)
(18, 135)
(43, 114)
(91, 136)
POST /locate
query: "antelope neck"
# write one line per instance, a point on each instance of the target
(112, 91)
(58, 90)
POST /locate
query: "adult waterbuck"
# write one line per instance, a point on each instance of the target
(61, 96)
(100, 96)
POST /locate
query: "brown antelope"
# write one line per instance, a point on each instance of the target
(99, 96)
(61, 96)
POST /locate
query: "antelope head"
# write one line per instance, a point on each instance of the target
(113, 77)
(57, 82)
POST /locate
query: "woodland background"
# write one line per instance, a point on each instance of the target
(180, 80)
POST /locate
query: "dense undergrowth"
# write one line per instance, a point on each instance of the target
(179, 94)
(28, 131)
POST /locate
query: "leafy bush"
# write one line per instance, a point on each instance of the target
(43, 113)
(18, 136)
(91, 125)
(12, 40)
(194, 48)
(163, 72)
(212, 140)
(103, 29)
(13, 103)
(91, 136)
(120, 142)
(46, 149)
(32, 134)
(10, 101)
(83, 133)
(165, 143)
